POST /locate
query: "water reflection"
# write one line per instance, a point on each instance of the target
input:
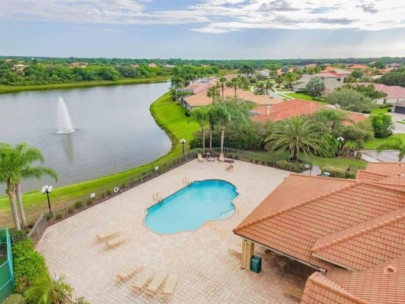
(67, 140)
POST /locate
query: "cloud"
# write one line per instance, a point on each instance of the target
(215, 16)
(368, 8)
(278, 5)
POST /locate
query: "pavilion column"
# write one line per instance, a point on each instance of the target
(247, 253)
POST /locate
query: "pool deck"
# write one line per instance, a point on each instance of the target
(208, 273)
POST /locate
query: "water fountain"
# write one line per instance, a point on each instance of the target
(64, 122)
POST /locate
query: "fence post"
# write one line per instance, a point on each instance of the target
(66, 212)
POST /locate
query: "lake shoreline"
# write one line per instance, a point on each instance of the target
(77, 85)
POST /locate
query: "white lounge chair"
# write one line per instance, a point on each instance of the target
(107, 236)
(170, 284)
(221, 157)
(142, 280)
(200, 158)
(157, 281)
(116, 242)
(128, 273)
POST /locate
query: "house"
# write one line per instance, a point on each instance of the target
(19, 67)
(331, 80)
(262, 74)
(78, 64)
(169, 66)
(135, 66)
(358, 67)
(201, 99)
(152, 65)
(351, 231)
(294, 108)
(394, 93)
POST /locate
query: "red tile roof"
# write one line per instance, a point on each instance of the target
(295, 108)
(201, 99)
(358, 67)
(326, 223)
(365, 245)
(393, 92)
(287, 109)
(319, 289)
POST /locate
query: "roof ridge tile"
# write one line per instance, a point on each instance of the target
(392, 218)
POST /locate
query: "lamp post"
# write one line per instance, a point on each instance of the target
(183, 141)
(340, 139)
(46, 190)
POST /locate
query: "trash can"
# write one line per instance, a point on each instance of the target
(256, 264)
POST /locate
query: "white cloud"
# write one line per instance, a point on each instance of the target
(217, 16)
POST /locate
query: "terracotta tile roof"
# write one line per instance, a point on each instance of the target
(358, 67)
(363, 175)
(393, 92)
(287, 109)
(387, 169)
(367, 244)
(295, 108)
(382, 284)
(201, 99)
(295, 230)
(319, 289)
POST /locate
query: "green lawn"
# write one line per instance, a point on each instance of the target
(74, 85)
(168, 114)
(373, 144)
(304, 97)
(379, 111)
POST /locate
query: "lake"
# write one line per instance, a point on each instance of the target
(114, 130)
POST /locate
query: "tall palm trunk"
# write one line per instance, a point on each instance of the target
(222, 139)
(203, 143)
(20, 206)
(211, 140)
(11, 196)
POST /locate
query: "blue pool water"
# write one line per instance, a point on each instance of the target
(192, 206)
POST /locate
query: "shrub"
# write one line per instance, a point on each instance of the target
(14, 299)
(58, 216)
(338, 172)
(48, 216)
(108, 192)
(289, 166)
(89, 202)
(28, 265)
(71, 210)
(78, 205)
(382, 125)
(17, 235)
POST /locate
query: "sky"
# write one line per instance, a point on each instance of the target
(202, 29)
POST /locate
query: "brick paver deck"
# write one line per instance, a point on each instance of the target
(207, 272)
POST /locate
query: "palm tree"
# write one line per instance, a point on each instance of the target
(221, 83)
(297, 134)
(393, 143)
(332, 120)
(260, 88)
(16, 164)
(231, 112)
(213, 93)
(247, 70)
(200, 115)
(176, 83)
(235, 83)
(268, 86)
(219, 113)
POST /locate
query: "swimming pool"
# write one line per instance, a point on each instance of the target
(192, 206)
